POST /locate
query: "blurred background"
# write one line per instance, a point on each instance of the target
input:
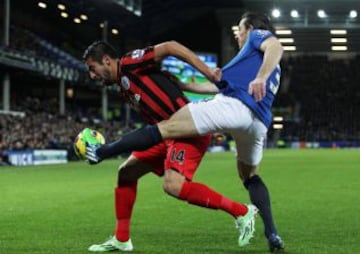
(47, 98)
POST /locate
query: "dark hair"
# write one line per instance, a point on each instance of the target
(258, 21)
(98, 49)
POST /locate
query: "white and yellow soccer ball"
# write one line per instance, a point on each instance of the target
(87, 136)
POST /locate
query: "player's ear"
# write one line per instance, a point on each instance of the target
(106, 59)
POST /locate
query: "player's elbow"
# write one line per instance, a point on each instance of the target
(172, 43)
(165, 49)
(273, 47)
(171, 46)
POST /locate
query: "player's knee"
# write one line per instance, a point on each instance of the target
(173, 182)
(125, 175)
(123, 179)
(171, 187)
(165, 129)
(246, 171)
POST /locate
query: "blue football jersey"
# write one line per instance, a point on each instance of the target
(243, 68)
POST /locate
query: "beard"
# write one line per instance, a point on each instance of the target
(107, 78)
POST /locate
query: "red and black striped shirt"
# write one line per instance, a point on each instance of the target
(151, 92)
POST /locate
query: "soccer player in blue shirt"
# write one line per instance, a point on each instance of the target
(242, 108)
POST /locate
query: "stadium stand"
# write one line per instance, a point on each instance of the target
(313, 89)
(323, 98)
(43, 128)
(29, 51)
(314, 93)
(319, 97)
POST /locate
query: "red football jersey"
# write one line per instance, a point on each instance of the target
(153, 93)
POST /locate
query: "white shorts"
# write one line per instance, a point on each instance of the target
(227, 114)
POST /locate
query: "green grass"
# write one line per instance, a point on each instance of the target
(65, 208)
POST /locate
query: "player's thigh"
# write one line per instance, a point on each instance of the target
(184, 155)
(249, 147)
(222, 113)
(179, 125)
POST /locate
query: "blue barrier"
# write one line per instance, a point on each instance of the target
(36, 157)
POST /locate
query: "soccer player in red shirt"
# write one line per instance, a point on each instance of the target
(156, 95)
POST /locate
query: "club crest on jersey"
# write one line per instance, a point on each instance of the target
(262, 33)
(138, 53)
(125, 82)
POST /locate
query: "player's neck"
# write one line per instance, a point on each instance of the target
(115, 70)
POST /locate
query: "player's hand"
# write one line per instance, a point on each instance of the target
(257, 88)
(90, 154)
(215, 74)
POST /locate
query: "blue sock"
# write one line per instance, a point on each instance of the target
(136, 140)
(260, 197)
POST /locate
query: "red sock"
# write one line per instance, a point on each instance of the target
(125, 195)
(201, 195)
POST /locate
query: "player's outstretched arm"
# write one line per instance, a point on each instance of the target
(173, 48)
(203, 88)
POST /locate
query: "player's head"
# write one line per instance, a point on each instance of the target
(250, 21)
(100, 58)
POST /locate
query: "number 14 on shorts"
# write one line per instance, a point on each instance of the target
(178, 156)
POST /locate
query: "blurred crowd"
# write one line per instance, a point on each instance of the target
(43, 128)
(321, 98)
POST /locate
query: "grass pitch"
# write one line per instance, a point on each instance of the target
(65, 208)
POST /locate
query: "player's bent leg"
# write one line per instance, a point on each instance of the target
(111, 245)
(201, 195)
(179, 125)
(177, 183)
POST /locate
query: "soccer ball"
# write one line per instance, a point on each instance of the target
(87, 136)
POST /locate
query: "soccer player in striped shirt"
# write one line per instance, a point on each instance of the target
(156, 95)
(242, 108)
